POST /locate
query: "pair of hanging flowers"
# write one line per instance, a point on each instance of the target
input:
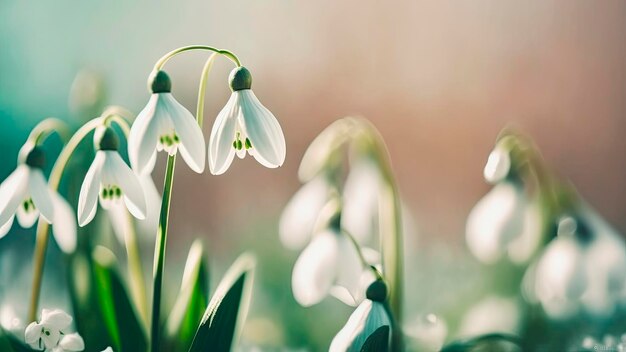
(244, 126)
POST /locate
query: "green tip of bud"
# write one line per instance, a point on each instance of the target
(377, 291)
(106, 139)
(36, 157)
(240, 79)
(160, 82)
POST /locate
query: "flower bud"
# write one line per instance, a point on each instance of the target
(240, 79)
(105, 138)
(377, 291)
(36, 157)
(159, 82)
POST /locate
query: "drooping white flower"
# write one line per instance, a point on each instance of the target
(146, 228)
(245, 126)
(70, 343)
(330, 259)
(298, 220)
(165, 125)
(369, 318)
(46, 333)
(25, 193)
(111, 181)
(361, 198)
(504, 220)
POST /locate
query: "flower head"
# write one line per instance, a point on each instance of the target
(70, 343)
(47, 333)
(245, 126)
(110, 180)
(369, 319)
(165, 125)
(25, 193)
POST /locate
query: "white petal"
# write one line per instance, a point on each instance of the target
(88, 199)
(55, 319)
(4, 229)
(221, 151)
(367, 318)
(143, 137)
(119, 217)
(314, 271)
(32, 333)
(64, 223)
(26, 219)
(72, 342)
(39, 192)
(349, 267)
(301, 213)
(108, 349)
(496, 221)
(119, 173)
(498, 165)
(361, 199)
(12, 192)
(51, 340)
(263, 130)
(192, 147)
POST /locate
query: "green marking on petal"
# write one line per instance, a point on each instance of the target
(248, 144)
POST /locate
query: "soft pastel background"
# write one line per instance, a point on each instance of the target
(439, 79)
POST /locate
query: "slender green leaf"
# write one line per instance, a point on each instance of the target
(223, 319)
(192, 300)
(84, 297)
(378, 341)
(120, 316)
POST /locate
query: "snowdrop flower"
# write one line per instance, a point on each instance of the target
(245, 126)
(25, 193)
(70, 343)
(505, 220)
(329, 260)
(46, 334)
(581, 269)
(165, 125)
(297, 222)
(361, 200)
(110, 180)
(369, 319)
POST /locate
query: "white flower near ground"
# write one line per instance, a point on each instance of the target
(245, 126)
(108, 349)
(47, 333)
(165, 125)
(111, 181)
(361, 200)
(581, 274)
(329, 260)
(503, 221)
(70, 343)
(26, 194)
(366, 319)
(297, 222)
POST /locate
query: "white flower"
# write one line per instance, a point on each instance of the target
(108, 349)
(498, 165)
(367, 318)
(361, 197)
(70, 343)
(165, 125)
(330, 259)
(504, 220)
(245, 126)
(146, 228)
(47, 333)
(110, 180)
(298, 220)
(25, 193)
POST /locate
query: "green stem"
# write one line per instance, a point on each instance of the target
(390, 229)
(159, 64)
(159, 252)
(44, 128)
(42, 226)
(202, 88)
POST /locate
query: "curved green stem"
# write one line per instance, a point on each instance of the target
(390, 227)
(42, 226)
(46, 127)
(159, 253)
(161, 62)
(202, 88)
